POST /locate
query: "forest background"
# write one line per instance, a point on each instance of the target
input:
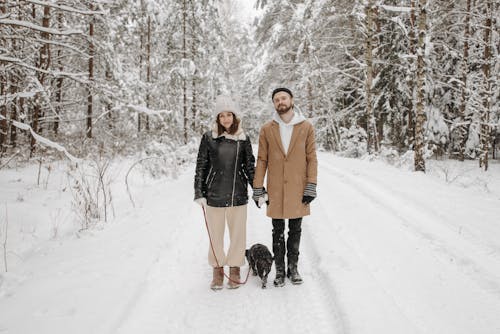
(392, 78)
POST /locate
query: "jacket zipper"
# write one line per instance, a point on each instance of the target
(235, 168)
(212, 179)
(208, 176)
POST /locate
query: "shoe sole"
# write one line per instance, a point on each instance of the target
(294, 282)
(216, 287)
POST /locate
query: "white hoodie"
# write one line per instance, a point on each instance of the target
(286, 129)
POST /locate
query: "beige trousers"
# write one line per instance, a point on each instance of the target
(236, 218)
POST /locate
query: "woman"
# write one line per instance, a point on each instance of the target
(224, 169)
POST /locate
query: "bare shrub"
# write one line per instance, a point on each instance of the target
(91, 190)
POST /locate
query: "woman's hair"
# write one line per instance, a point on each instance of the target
(232, 129)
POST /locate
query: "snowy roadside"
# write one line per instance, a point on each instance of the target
(385, 250)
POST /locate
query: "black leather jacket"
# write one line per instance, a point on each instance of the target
(224, 169)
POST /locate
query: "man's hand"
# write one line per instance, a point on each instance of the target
(259, 196)
(309, 193)
(307, 199)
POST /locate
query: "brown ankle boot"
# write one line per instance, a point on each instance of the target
(234, 274)
(218, 278)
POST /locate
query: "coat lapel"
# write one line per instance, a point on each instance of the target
(275, 129)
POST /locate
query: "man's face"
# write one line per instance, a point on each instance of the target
(282, 102)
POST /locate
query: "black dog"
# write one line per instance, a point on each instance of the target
(260, 260)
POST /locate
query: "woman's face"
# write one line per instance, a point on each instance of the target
(226, 119)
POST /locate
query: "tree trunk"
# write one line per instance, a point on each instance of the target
(462, 128)
(194, 54)
(43, 64)
(3, 89)
(3, 112)
(370, 117)
(109, 106)
(148, 70)
(59, 81)
(141, 58)
(410, 130)
(419, 125)
(18, 108)
(91, 75)
(487, 94)
(14, 89)
(184, 85)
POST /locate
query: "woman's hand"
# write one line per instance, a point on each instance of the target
(202, 201)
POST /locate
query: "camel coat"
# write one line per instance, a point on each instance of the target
(287, 174)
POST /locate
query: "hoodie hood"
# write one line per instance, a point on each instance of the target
(296, 119)
(286, 129)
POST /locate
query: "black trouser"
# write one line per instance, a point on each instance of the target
(292, 244)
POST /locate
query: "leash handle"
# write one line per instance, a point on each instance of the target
(213, 252)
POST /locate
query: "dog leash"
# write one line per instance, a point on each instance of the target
(213, 252)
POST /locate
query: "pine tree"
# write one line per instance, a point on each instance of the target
(420, 106)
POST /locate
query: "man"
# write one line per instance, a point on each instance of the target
(287, 152)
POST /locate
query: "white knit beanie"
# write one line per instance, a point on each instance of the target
(225, 103)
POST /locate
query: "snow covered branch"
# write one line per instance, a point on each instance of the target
(396, 9)
(66, 8)
(147, 111)
(4, 99)
(69, 75)
(42, 140)
(36, 27)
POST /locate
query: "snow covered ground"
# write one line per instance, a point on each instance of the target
(385, 250)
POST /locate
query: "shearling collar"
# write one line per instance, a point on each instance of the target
(239, 134)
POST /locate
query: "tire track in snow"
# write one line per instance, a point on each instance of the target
(474, 267)
(249, 307)
(174, 295)
(375, 181)
(157, 218)
(325, 282)
(352, 283)
(436, 295)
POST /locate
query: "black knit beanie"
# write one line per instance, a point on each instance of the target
(281, 89)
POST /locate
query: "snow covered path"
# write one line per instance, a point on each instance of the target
(385, 251)
(419, 266)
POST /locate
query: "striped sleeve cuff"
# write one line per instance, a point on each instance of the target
(258, 192)
(310, 190)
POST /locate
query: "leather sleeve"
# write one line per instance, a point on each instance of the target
(202, 168)
(249, 161)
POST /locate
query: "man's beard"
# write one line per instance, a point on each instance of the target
(283, 109)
